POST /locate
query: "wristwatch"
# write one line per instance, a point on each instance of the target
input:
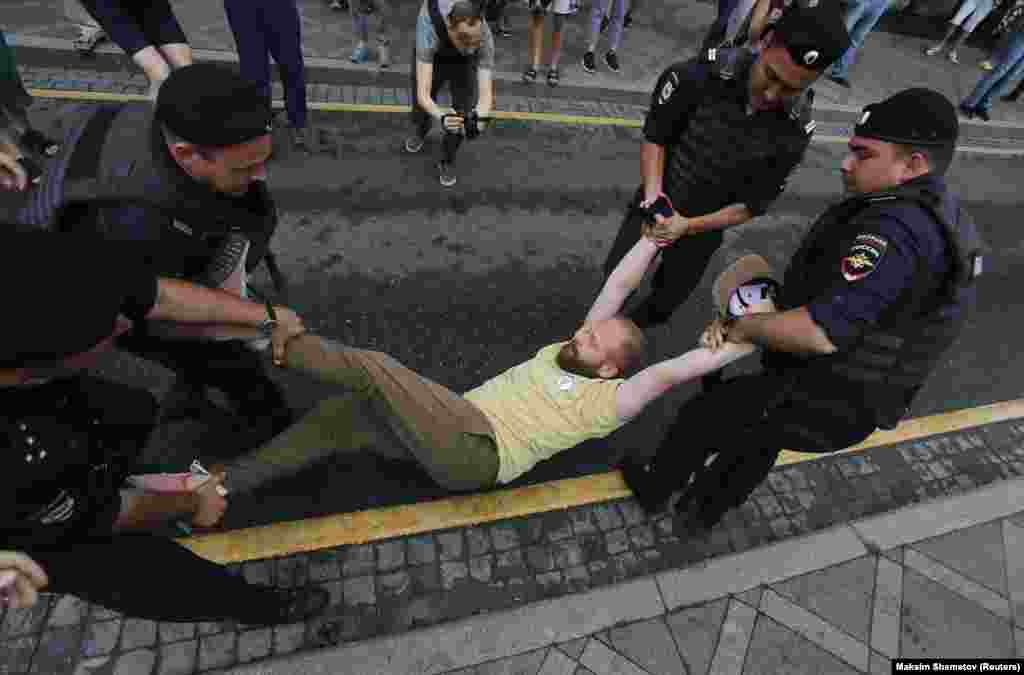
(268, 325)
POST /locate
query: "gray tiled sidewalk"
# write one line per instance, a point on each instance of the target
(389, 588)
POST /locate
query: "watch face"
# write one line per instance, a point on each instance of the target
(746, 295)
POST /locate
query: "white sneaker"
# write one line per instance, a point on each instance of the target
(446, 174)
(413, 144)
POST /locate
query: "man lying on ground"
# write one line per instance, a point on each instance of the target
(568, 393)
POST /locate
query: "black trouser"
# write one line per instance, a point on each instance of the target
(716, 33)
(228, 365)
(682, 266)
(748, 421)
(461, 78)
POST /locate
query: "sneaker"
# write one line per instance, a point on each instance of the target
(983, 114)
(530, 75)
(553, 77)
(299, 604)
(413, 144)
(612, 59)
(446, 174)
(360, 55)
(986, 65)
(589, 62)
(966, 111)
(954, 57)
(933, 50)
(627, 20)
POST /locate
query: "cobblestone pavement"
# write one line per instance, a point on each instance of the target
(390, 587)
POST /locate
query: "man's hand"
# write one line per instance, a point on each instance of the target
(714, 336)
(452, 122)
(21, 579)
(665, 231)
(289, 325)
(12, 174)
(212, 504)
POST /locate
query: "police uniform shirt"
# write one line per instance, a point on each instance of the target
(885, 251)
(715, 153)
(48, 440)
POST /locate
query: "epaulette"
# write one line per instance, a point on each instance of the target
(802, 111)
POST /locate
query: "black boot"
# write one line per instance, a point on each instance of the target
(651, 489)
(1013, 95)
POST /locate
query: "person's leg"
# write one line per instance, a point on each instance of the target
(535, 41)
(151, 577)
(618, 16)
(384, 19)
(682, 268)
(716, 32)
(555, 49)
(447, 435)
(283, 27)
(597, 12)
(463, 84)
(361, 30)
(841, 68)
(987, 87)
(1014, 71)
(245, 21)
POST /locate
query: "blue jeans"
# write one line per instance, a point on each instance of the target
(1009, 66)
(860, 19)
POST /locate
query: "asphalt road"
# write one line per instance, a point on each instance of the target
(461, 284)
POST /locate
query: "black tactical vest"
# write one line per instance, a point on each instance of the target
(117, 156)
(721, 147)
(447, 52)
(885, 369)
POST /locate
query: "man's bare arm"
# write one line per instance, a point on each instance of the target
(623, 280)
(793, 331)
(634, 394)
(652, 169)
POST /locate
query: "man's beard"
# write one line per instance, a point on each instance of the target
(568, 360)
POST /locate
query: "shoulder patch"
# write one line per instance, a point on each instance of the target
(810, 127)
(863, 258)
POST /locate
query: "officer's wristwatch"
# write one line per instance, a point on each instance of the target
(268, 325)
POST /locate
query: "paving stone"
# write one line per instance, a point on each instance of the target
(532, 531)
(602, 573)
(217, 651)
(959, 584)
(176, 632)
(254, 644)
(505, 537)
(888, 602)
(359, 591)
(324, 567)
(357, 560)
(100, 637)
(840, 594)
(209, 627)
(451, 544)
(1014, 540)
(976, 552)
(58, 650)
(520, 664)
(577, 578)
(648, 644)
(22, 621)
(607, 517)
(894, 554)
(631, 512)
(425, 578)
(568, 553)
(422, 550)
(178, 658)
(583, 521)
(696, 632)
(479, 542)
(938, 623)
(601, 659)
(751, 597)
(583, 671)
(102, 613)
(550, 584)
(1019, 634)
(642, 536)
(292, 571)
(91, 666)
(390, 555)
(776, 649)
(573, 648)
(617, 541)
(540, 558)
(452, 573)
(139, 662)
(289, 638)
(557, 663)
(138, 633)
(482, 568)
(67, 610)
(16, 654)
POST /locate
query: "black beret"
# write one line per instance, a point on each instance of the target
(209, 104)
(813, 33)
(916, 116)
(66, 308)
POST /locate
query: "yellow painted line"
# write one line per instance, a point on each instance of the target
(361, 527)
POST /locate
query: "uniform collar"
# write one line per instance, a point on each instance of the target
(741, 62)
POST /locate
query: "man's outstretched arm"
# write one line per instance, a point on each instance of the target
(623, 280)
(634, 394)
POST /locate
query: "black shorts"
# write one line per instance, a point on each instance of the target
(134, 25)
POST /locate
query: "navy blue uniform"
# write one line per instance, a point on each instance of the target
(265, 28)
(877, 275)
(716, 155)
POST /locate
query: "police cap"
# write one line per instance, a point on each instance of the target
(916, 116)
(813, 33)
(211, 105)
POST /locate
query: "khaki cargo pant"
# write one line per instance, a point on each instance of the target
(388, 410)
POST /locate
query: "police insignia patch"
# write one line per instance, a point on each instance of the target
(864, 255)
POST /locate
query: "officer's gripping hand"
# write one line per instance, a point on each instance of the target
(12, 174)
(665, 231)
(212, 502)
(289, 325)
(452, 122)
(714, 336)
(21, 579)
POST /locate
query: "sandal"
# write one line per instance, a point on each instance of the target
(530, 75)
(553, 77)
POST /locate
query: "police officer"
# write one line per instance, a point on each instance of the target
(723, 133)
(196, 163)
(70, 439)
(875, 295)
(454, 46)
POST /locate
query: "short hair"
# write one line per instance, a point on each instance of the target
(631, 353)
(939, 157)
(465, 10)
(205, 152)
